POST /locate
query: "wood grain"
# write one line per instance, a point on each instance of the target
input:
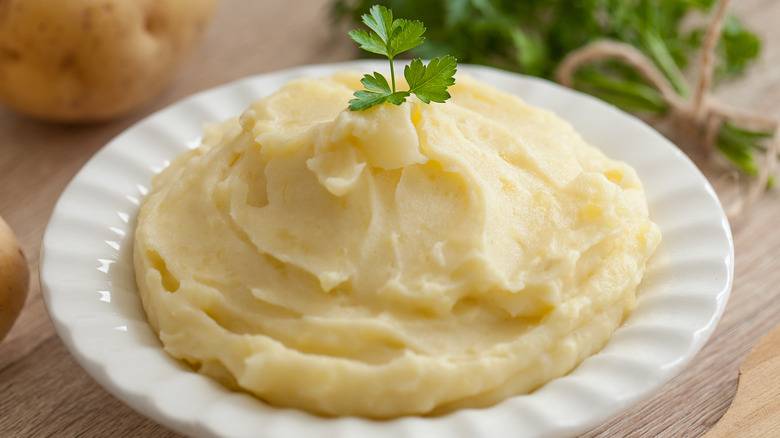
(44, 392)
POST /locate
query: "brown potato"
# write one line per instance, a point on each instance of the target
(14, 278)
(92, 60)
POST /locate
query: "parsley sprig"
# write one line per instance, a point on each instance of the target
(390, 37)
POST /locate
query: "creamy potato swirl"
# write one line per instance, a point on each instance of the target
(408, 259)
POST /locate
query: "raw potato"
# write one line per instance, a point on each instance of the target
(14, 278)
(92, 60)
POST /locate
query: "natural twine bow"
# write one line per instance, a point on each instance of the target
(699, 118)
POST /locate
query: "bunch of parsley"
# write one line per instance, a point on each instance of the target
(533, 36)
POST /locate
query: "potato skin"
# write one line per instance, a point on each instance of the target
(14, 278)
(93, 60)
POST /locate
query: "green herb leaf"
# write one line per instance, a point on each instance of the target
(429, 83)
(377, 92)
(739, 47)
(380, 20)
(369, 42)
(376, 83)
(407, 37)
(390, 37)
(366, 99)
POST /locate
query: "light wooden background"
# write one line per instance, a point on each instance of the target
(44, 392)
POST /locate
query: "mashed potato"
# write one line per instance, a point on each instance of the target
(408, 259)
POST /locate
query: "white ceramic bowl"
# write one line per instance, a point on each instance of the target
(89, 288)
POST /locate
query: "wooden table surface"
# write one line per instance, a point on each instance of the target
(44, 392)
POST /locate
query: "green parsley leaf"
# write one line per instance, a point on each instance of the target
(377, 92)
(390, 37)
(369, 42)
(376, 83)
(407, 37)
(366, 99)
(429, 83)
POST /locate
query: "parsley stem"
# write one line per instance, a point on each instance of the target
(392, 73)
